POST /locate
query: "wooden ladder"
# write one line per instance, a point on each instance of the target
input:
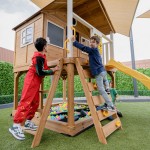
(38, 134)
(102, 131)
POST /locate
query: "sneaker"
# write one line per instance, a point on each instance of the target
(119, 114)
(17, 132)
(110, 118)
(111, 108)
(103, 107)
(107, 91)
(83, 113)
(30, 126)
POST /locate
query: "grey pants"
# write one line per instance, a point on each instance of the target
(101, 80)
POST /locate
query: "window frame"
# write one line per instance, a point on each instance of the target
(26, 34)
(48, 21)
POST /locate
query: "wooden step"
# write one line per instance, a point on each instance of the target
(48, 104)
(98, 116)
(103, 114)
(43, 91)
(86, 74)
(111, 127)
(98, 100)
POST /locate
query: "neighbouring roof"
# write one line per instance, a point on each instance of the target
(6, 55)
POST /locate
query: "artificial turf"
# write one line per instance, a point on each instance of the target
(134, 136)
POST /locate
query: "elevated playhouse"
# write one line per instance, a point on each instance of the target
(58, 20)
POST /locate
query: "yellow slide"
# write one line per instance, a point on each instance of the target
(137, 75)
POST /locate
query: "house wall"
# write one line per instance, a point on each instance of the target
(55, 52)
(23, 55)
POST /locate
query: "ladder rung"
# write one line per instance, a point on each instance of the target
(44, 91)
(97, 100)
(87, 73)
(111, 127)
(104, 114)
(102, 131)
(29, 131)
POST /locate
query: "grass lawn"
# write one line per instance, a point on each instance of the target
(134, 136)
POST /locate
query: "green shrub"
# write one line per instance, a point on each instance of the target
(7, 79)
(7, 98)
(124, 84)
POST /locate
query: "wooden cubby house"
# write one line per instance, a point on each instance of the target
(56, 21)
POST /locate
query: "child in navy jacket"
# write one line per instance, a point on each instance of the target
(97, 69)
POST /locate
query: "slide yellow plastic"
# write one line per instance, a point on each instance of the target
(135, 74)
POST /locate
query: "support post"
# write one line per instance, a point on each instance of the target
(69, 25)
(107, 53)
(103, 54)
(70, 75)
(64, 88)
(16, 82)
(111, 46)
(133, 63)
(41, 95)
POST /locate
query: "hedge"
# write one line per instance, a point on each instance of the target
(7, 98)
(7, 79)
(124, 84)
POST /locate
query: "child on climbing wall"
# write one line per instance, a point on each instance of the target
(97, 69)
(113, 93)
(30, 94)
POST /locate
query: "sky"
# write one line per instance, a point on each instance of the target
(13, 12)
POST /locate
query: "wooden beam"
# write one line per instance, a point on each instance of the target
(41, 95)
(38, 135)
(88, 95)
(70, 75)
(16, 83)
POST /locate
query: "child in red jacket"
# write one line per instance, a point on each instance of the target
(30, 94)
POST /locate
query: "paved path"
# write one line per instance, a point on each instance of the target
(125, 98)
(2, 106)
(83, 100)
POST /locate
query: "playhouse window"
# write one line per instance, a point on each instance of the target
(56, 34)
(27, 36)
(85, 42)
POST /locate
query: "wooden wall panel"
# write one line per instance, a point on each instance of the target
(30, 51)
(75, 52)
(54, 53)
(38, 28)
(24, 54)
(20, 56)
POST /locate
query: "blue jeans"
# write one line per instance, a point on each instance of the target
(101, 80)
